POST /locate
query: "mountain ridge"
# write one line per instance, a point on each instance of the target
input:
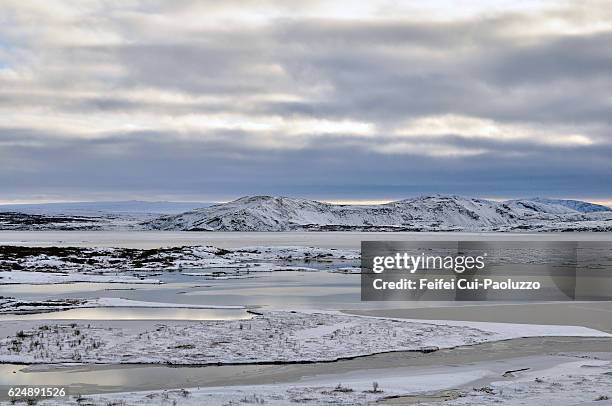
(421, 213)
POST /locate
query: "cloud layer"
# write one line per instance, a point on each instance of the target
(211, 100)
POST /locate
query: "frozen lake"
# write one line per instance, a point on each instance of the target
(154, 239)
(271, 291)
(279, 291)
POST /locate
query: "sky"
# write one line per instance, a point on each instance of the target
(332, 100)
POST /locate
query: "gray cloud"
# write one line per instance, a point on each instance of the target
(148, 99)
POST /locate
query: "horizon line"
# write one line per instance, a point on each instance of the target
(358, 202)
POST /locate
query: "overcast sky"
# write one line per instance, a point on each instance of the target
(198, 100)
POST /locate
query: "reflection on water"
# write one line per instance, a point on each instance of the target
(20, 375)
(81, 289)
(66, 288)
(272, 291)
(282, 291)
(83, 379)
(122, 313)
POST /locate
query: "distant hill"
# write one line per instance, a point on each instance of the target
(118, 207)
(425, 213)
(578, 205)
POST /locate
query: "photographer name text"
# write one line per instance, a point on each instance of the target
(455, 284)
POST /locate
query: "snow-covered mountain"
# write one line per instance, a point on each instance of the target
(426, 213)
(578, 205)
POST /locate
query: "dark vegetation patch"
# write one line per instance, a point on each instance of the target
(18, 258)
(27, 221)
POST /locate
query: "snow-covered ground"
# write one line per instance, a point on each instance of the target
(277, 336)
(571, 383)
